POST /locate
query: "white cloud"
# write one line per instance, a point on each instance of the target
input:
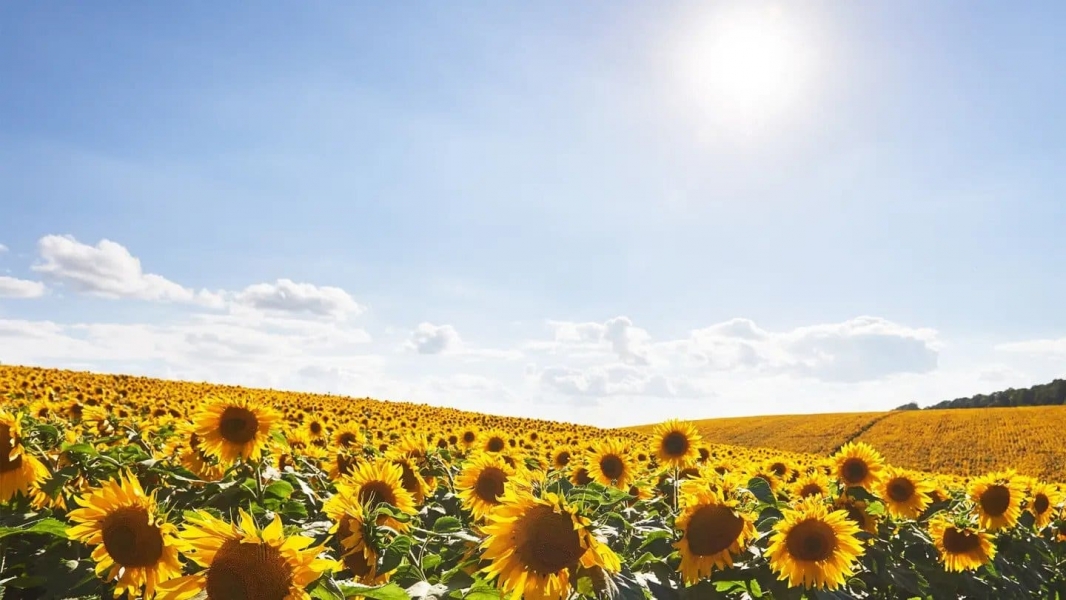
(11, 287)
(110, 271)
(3, 248)
(614, 380)
(1045, 347)
(626, 341)
(287, 296)
(428, 338)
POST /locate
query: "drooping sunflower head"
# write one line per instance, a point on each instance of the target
(242, 561)
(610, 463)
(814, 547)
(580, 476)
(713, 532)
(857, 464)
(533, 545)
(482, 482)
(905, 494)
(20, 471)
(811, 484)
(1043, 499)
(961, 547)
(997, 499)
(857, 514)
(378, 482)
(232, 428)
(676, 443)
(347, 437)
(133, 547)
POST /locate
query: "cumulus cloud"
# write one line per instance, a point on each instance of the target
(626, 341)
(110, 271)
(615, 380)
(11, 287)
(428, 338)
(287, 296)
(860, 349)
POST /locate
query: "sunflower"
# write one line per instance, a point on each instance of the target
(676, 443)
(243, 562)
(20, 472)
(133, 546)
(358, 554)
(1043, 499)
(810, 484)
(481, 483)
(857, 464)
(534, 545)
(609, 463)
(347, 436)
(856, 511)
(997, 498)
(468, 436)
(814, 547)
(713, 532)
(905, 495)
(411, 479)
(378, 482)
(961, 547)
(315, 429)
(494, 441)
(561, 457)
(234, 427)
(580, 476)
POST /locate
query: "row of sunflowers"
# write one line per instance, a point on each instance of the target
(141, 488)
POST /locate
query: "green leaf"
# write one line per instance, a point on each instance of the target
(279, 489)
(47, 526)
(395, 553)
(447, 525)
(80, 448)
(761, 489)
(384, 592)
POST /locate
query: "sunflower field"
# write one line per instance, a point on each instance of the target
(118, 486)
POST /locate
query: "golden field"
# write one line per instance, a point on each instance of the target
(120, 486)
(965, 441)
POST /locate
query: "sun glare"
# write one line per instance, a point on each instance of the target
(747, 67)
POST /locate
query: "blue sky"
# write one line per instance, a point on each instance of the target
(465, 199)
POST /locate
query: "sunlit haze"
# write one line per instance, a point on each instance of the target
(605, 213)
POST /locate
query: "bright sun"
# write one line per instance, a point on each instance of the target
(747, 67)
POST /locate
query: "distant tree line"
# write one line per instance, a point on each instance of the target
(1038, 395)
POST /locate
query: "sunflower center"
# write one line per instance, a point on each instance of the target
(469, 437)
(7, 444)
(854, 470)
(375, 492)
(901, 490)
(675, 444)
(704, 454)
(551, 543)
(238, 425)
(346, 439)
(316, 427)
(960, 542)
(562, 459)
(131, 539)
(581, 476)
(409, 480)
(856, 514)
(995, 500)
(779, 469)
(812, 540)
(612, 466)
(495, 445)
(489, 486)
(357, 563)
(1041, 504)
(248, 572)
(811, 489)
(713, 529)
